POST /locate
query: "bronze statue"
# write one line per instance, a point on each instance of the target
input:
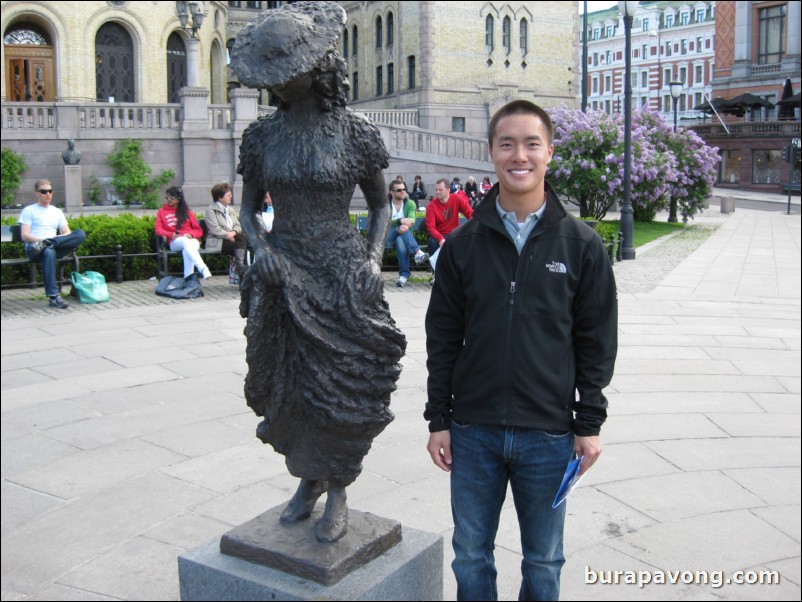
(71, 156)
(323, 351)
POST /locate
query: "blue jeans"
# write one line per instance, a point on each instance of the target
(485, 459)
(62, 245)
(405, 245)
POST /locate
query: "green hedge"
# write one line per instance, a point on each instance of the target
(103, 234)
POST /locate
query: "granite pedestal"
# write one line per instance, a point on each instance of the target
(412, 569)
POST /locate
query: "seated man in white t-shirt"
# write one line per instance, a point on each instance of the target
(47, 238)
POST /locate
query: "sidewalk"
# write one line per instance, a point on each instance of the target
(126, 439)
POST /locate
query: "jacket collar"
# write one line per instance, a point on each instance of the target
(487, 214)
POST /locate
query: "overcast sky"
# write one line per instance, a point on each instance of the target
(593, 5)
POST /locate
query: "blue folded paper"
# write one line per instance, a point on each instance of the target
(570, 480)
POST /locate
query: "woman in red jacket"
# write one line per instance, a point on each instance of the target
(177, 223)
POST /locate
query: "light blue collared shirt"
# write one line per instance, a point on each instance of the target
(519, 232)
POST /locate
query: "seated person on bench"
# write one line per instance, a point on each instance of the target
(400, 235)
(48, 238)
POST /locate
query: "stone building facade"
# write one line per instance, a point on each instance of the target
(456, 62)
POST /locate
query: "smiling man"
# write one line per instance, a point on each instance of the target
(523, 316)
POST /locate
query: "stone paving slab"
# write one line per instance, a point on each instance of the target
(120, 470)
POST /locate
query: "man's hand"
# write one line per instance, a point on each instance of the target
(442, 241)
(439, 448)
(590, 448)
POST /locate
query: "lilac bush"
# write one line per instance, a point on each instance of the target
(588, 165)
(696, 163)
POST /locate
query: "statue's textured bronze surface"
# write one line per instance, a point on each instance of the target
(323, 351)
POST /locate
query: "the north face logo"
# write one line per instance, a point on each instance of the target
(557, 267)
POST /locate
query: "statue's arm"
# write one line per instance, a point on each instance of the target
(251, 215)
(374, 189)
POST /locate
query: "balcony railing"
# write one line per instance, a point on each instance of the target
(117, 116)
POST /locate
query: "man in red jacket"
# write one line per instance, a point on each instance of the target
(442, 214)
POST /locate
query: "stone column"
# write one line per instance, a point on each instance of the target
(196, 146)
(245, 107)
(193, 63)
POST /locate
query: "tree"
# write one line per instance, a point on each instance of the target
(696, 164)
(132, 179)
(13, 166)
(588, 164)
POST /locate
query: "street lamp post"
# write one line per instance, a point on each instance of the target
(628, 8)
(191, 16)
(585, 58)
(676, 90)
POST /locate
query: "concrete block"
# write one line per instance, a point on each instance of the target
(728, 204)
(410, 570)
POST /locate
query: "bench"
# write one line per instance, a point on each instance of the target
(13, 234)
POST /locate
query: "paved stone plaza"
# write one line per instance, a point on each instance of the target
(126, 439)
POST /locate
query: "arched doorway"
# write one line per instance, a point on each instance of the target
(29, 64)
(114, 64)
(176, 67)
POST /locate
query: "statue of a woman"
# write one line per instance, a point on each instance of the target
(323, 352)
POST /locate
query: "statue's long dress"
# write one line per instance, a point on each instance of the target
(322, 362)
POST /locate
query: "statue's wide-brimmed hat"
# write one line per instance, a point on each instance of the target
(282, 43)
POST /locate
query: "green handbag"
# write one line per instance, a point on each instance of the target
(90, 287)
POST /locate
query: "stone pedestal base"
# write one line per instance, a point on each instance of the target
(73, 189)
(410, 570)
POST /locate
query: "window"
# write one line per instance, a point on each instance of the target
(771, 35)
(378, 32)
(698, 44)
(596, 34)
(506, 35)
(595, 85)
(379, 82)
(608, 57)
(390, 29)
(354, 42)
(669, 20)
(355, 86)
(685, 18)
(730, 167)
(698, 74)
(644, 79)
(610, 31)
(457, 124)
(608, 86)
(700, 15)
(643, 50)
(683, 46)
(229, 48)
(633, 80)
(524, 36)
(646, 25)
(667, 103)
(411, 72)
(390, 78)
(683, 74)
(489, 39)
(667, 75)
(766, 166)
(595, 59)
(345, 44)
(668, 49)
